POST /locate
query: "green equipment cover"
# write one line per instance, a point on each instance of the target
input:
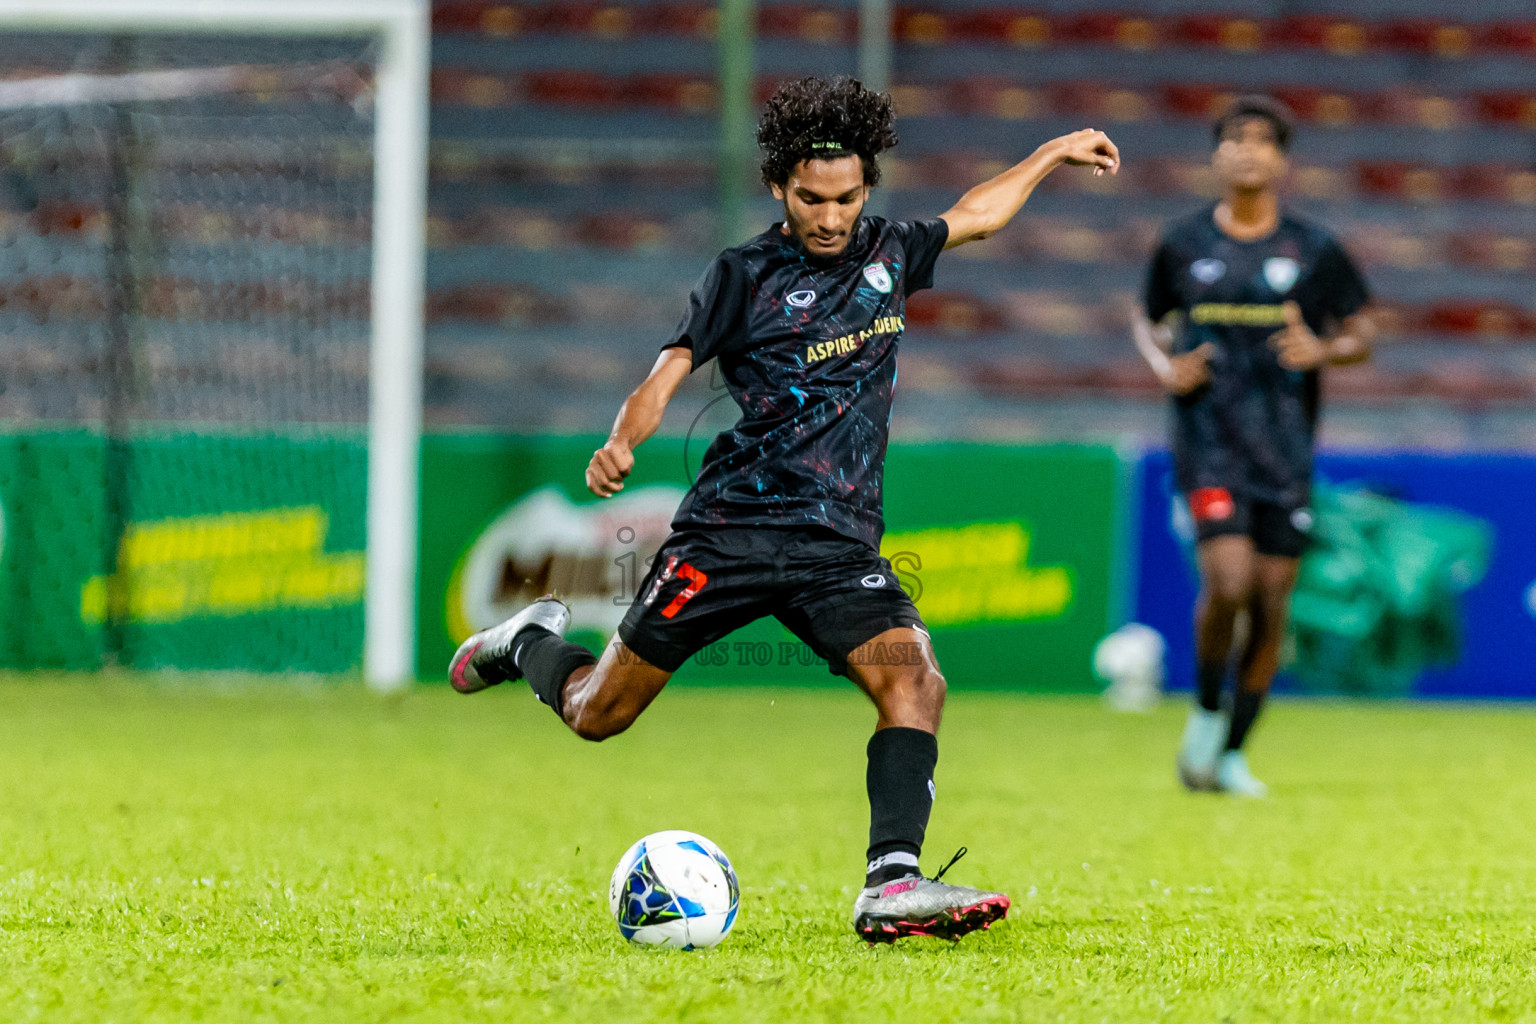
(1376, 600)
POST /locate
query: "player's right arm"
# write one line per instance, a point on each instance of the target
(638, 419)
(1181, 373)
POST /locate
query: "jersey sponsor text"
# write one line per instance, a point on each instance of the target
(848, 342)
(1234, 314)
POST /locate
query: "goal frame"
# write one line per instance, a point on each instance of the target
(397, 292)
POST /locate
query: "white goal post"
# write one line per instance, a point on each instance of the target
(402, 28)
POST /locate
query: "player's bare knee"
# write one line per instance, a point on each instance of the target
(912, 698)
(596, 725)
(599, 713)
(595, 731)
(1228, 591)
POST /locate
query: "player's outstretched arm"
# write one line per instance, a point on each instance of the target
(987, 207)
(638, 419)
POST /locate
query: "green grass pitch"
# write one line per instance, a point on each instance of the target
(177, 851)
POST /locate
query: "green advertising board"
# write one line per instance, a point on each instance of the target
(53, 508)
(247, 552)
(1010, 553)
(1017, 549)
(506, 519)
(237, 552)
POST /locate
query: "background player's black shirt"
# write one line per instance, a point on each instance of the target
(1251, 429)
(807, 348)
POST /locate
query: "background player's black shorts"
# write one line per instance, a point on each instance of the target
(1275, 529)
(831, 591)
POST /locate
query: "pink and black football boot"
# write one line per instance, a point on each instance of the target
(485, 659)
(915, 905)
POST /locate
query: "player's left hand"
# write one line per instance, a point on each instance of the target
(1296, 345)
(1090, 148)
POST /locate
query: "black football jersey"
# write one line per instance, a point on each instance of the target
(1251, 429)
(807, 349)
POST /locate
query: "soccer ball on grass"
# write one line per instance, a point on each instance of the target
(675, 889)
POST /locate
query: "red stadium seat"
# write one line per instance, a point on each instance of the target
(682, 18)
(1463, 318)
(1511, 108)
(1094, 29)
(1002, 27)
(1079, 99)
(1418, 35)
(569, 88)
(1191, 100)
(458, 16)
(1512, 37)
(1480, 182)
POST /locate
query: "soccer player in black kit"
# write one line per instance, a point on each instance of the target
(1264, 300)
(784, 518)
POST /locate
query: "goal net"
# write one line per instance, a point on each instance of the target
(189, 349)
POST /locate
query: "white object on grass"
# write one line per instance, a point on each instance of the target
(1130, 660)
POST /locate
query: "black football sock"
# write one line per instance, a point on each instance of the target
(1245, 710)
(900, 783)
(547, 662)
(1208, 682)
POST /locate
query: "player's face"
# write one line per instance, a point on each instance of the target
(822, 201)
(1249, 156)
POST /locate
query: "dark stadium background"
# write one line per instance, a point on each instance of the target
(573, 165)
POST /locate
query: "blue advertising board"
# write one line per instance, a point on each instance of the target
(1498, 615)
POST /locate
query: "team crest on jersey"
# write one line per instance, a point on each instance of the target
(877, 275)
(1281, 272)
(800, 299)
(1207, 271)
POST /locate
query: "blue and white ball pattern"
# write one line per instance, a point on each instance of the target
(674, 889)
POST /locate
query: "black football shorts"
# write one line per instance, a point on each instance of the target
(831, 591)
(1275, 529)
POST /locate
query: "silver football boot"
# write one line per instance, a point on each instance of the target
(1205, 734)
(915, 905)
(485, 659)
(1234, 777)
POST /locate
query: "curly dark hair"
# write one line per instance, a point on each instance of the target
(816, 119)
(1246, 108)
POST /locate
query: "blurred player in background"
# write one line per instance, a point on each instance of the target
(1262, 300)
(785, 516)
